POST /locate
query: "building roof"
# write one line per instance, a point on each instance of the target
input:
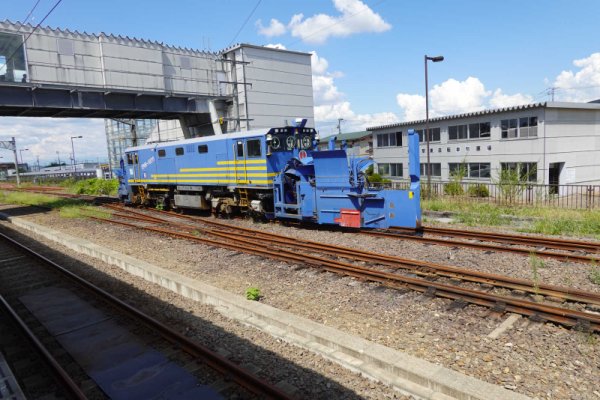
(349, 136)
(18, 26)
(549, 104)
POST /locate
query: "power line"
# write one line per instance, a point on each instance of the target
(31, 12)
(245, 22)
(30, 33)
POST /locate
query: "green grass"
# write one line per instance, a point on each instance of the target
(545, 220)
(83, 212)
(595, 274)
(35, 199)
(68, 208)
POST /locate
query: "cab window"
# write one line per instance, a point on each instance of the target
(178, 151)
(203, 148)
(162, 153)
(239, 149)
(129, 159)
(253, 147)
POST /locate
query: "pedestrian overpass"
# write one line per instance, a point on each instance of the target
(48, 72)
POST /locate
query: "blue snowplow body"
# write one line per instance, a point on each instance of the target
(329, 188)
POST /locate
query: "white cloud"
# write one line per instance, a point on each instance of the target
(457, 97)
(582, 85)
(275, 28)
(275, 46)
(330, 103)
(355, 17)
(501, 100)
(318, 64)
(413, 106)
(45, 136)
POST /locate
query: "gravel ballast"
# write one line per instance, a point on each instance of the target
(540, 360)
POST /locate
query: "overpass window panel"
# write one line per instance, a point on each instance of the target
(253, 148)
(12, 58)
(178, 151)
(65, 47)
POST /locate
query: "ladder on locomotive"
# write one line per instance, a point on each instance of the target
(244, 202)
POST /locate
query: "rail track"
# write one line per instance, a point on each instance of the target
(417, 275)
(21, 353)
(69, 319)
(542, 246)
(561, 249)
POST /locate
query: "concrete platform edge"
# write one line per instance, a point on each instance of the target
(405, 373)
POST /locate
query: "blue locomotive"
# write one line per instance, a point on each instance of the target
(276, 173)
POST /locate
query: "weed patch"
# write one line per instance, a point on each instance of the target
(253, 293)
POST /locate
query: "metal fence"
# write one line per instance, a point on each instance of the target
(563, 196)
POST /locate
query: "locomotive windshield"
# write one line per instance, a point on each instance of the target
(288, 139)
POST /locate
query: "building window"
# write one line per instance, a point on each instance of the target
(436, 169)
(203, 148)
(479, 170)
(253, 147)
(509, 128)
(12, 58)
(391, 169)
(457, 132)
(178, 151)
(162, 153)
(479, 130)
(383, 169)
(526, 171)
(434, 135)
(383, 140)
(393, 139)
(458, 169)
(528, 127)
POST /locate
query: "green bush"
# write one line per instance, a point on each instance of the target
(96, 186)
(253, 293)
(453, 189)
(375, 178)
(478, 191)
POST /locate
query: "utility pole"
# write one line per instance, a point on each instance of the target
(12, 145)
(339, 125)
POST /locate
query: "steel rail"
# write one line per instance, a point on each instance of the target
(479, 246)
(56, 368)
(484, 246)
(217, 362)
(571, 318)
(555, 243)
(419, 267)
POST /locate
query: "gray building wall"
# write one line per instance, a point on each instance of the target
(568, 135)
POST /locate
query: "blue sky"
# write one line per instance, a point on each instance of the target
(368, 67)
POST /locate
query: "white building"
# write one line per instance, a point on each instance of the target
(549, 143)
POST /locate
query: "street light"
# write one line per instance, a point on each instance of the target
(434, 59)
(73, 149)
(21, 152)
